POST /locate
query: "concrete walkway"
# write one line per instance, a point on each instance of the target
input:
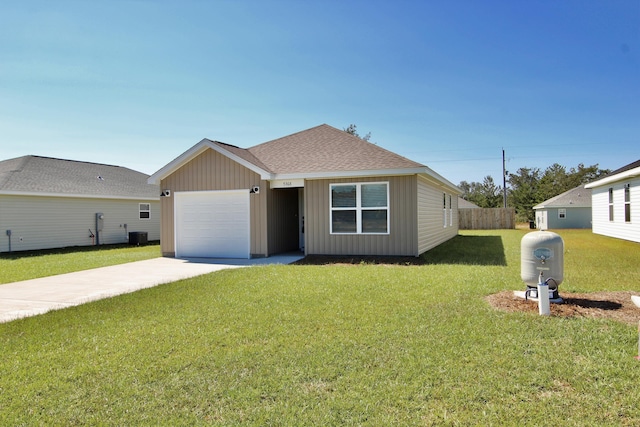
(37, 296)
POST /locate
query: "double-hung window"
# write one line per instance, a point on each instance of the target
(444, 208)
(611, 204)
(627, 203)
(361, 208)
(145, 210)
(562, 213)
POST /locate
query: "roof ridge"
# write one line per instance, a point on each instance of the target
(290, 135)
(74, 161)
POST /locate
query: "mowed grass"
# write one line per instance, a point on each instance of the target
(335, 345)
(17, 266)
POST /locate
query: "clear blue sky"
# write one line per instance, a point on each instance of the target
(448, 83)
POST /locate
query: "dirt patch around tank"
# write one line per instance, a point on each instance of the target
(598, 305)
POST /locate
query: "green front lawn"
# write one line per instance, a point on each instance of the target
(335, 345)
(17, 266)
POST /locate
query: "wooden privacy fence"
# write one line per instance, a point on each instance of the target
(487, 218)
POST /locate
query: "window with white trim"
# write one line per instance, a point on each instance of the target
(450, 212)
(562, 213)
(611, 204)
(145, 210)
(627, 203)
(359, 208)
(444, 208)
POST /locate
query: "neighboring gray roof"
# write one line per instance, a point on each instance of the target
(578, 197)
(465, 204)
(58, 177)
(326, 149)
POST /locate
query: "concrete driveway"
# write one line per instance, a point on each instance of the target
(37, 296)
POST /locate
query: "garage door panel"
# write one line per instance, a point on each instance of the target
(212, 224)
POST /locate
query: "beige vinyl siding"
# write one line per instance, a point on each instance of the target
(402, 237)
(431, 229)
(212, 171)
(38, 222)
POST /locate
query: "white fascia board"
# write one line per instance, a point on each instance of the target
(346, 174)
(425, 171)
(631, 173)
(440, 179)
(196, 150)
(77, 196)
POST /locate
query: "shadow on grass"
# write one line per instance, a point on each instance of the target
(69, 249)
(466, 250)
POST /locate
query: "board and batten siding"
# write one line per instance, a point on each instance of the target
(212, 171)
(617, 228)
(39, 222)
(402, 239)
(431, 228)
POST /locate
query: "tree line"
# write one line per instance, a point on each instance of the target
(529, 187)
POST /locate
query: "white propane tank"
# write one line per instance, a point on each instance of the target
(542, 259)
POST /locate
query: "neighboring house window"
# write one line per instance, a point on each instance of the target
(360, 208)
(145, 210)
(627, 203)
(444, 208)
(450, 212)
(562, 213)
(611, 204)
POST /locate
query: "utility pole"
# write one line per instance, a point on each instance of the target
(504, 181)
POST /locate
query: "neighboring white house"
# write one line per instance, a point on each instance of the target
(615, 203)
(571, 209)
(54, 203)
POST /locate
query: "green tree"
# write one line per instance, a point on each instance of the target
(524, 192)
(485, 194)
(529, 186)
(353, 130)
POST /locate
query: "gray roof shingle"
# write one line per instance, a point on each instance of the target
(45, 175)
(578, 197)
(326, 149)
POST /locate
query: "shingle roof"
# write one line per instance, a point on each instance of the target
(316, 153)
(628, 167)
(326, 149)
(45, 175)
(631, 170)
(578, 197)
(465, 204)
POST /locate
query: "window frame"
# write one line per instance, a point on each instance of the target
(627, 203)
(359, 209)
(143, 211)
(444, 209)
(611, 209)
(562, 213)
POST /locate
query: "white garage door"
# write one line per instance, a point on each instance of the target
(212, 224)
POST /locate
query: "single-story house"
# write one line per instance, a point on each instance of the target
(616, 203)
(571, 209)
(54, 203)
(322, 191)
